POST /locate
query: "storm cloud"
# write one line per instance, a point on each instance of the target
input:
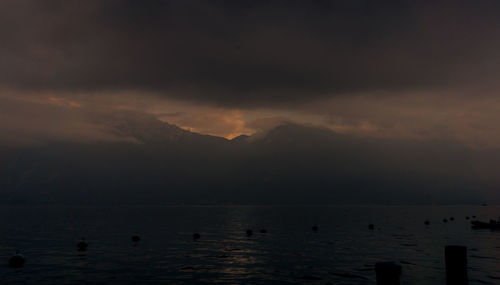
(249, 101)
(249, 53)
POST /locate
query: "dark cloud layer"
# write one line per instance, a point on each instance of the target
(244, 53)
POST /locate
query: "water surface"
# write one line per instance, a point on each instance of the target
(343, 251)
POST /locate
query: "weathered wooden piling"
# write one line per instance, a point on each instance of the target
(388, 273)
(456, 265)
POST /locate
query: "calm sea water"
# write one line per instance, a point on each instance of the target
(343, 251)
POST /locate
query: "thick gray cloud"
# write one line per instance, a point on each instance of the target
(248, 53)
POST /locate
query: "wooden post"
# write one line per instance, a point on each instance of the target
(388, 273)
(456, 265)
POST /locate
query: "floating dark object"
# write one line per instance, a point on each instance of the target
(136, 238)
(388, 273)
(371, 226)
(427, 222)
(492, 225)
(196, 236)
(452, 218)
(17, 260)
(82, 245)
(263, 231)
(249, 232)
(484, 204)
(467, 218)
(445, 220)
(473, 217)
(456, 265)
(315, 228)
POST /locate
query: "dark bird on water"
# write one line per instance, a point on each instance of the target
(17, 260)
(452, 219)
(427, 222)
(467, 218)
(315, 228)
(196, 236)
(371, 226)
(136, 238)
(445, 220)
(249, 232)
(82, 245)
(263, 231)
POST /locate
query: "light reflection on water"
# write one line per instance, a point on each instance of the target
(343, 251)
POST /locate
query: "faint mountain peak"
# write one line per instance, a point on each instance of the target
(143, 127)
(147, 128)
(295, 132)
(240, 138)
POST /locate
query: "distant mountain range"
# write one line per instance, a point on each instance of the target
(290, 164)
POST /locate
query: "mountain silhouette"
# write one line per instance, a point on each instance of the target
(289, 164)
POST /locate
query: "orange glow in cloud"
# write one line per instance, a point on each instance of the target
(59, 101)
(452, 115)
(218, 122)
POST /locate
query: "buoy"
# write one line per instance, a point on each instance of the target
(136, 238)
(196, 236)
(387, 273)
(17, 260)
(82, 245)
(249, 232)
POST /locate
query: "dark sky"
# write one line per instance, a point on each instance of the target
(417, 76)
(249, 53)
(413, 69)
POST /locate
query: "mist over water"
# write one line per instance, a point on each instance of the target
(342, 251)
